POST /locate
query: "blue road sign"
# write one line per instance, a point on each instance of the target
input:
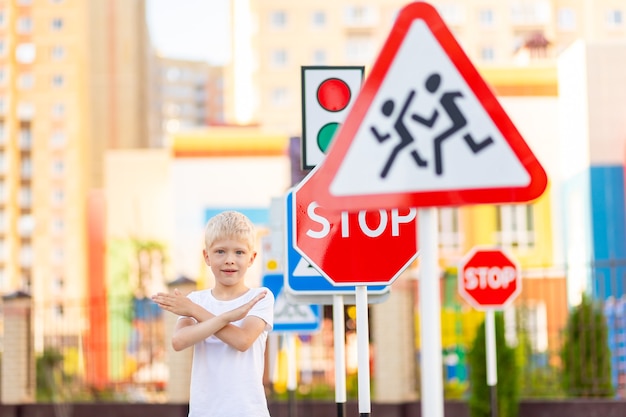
(304, 279)
(288, 316)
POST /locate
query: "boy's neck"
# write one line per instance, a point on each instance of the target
(225, 293)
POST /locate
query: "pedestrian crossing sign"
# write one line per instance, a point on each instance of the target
(426, 130)
(290, 316)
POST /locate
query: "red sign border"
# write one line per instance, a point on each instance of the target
(345, 136)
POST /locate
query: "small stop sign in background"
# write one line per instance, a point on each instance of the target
(489, 278)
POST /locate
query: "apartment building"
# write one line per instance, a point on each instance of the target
(71, 86)
(273, 38)
(189, 96)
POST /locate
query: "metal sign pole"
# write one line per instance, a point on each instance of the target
(363, 351)
(339, 333)
(430, 314)
(492, 364)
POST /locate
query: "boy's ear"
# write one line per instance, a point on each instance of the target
(205, 255)
(252, 258)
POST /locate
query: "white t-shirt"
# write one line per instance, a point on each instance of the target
(224, 381)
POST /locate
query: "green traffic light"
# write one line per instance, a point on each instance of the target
(326, 134)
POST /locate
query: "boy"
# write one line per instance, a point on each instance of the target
(227, 325)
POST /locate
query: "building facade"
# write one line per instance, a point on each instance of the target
(272, 39)
(71, 86)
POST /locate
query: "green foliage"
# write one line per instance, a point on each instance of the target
(46, 367)
(508, 383)
(537, 378)
(585, 354)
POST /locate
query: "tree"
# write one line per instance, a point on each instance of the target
(508, 382)
(585, 353)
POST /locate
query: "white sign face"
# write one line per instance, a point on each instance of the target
(425, 130)
(287, 313)
(327, 95)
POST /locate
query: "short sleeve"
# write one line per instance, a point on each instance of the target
(264, 309)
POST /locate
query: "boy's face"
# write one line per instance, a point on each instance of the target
(229, 260)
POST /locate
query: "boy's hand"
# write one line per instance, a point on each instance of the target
(176, 303)
(241, 311)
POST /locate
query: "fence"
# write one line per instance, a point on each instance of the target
(126, 356)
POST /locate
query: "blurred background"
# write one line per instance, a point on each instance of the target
(126, 124)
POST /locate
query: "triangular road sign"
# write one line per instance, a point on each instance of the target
(426, 130)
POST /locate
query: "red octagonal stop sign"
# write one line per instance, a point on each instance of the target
(489, 278)
(364, 248)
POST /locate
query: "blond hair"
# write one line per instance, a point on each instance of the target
(230, 225)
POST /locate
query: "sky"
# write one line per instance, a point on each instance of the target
(190, 29)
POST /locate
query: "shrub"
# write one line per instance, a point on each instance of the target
(585, 353)
(507, 386)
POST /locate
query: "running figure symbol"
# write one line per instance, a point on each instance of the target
(450, 107)
(459, 121)
(405, 136)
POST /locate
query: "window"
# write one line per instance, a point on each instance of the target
(3, 19)
(173, 74)
(319, 57)
(360, 16)
(359, 49)
(449, 236)
(3, 47)
(3, 75)
(25, 137)
(58, 225)
(58, 80)
(566, 19)
(26, 255)
(537, 12)
(279, 58)
(24, 25)
(58, 138)
(487, 54)
(58, 110)
(452, 14)
(485, 17)
(58, 196)
(56, 24)
(25, 110)
(318, 19)
(25, 197)
(3, 162)
(59, 311)
(58, 167)
(26, 225)
(615, 18)
(26, 167)
(57, 52)
(25, 53)
(279, 97)
(26, 81)
(3, 132)
(278, 19)
(515, 224)
(3, 198)
(58, 254)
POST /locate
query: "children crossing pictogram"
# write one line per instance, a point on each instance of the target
(406, 138)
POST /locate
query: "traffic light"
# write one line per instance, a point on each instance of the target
(327, 95)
